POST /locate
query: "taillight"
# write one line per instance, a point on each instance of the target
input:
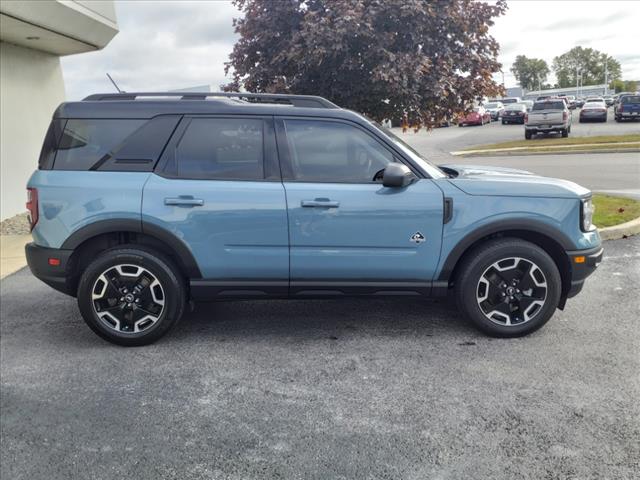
(32, 206)
(621, 109)
(526, 118)
(564, 116)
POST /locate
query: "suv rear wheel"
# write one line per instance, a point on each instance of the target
(508, 287)
(131, 296)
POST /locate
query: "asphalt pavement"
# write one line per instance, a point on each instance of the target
(613, 173)
(325, 389)
(437, 143)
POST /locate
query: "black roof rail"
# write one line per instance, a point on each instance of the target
(308, 101)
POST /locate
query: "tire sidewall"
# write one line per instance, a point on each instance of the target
(467, 288)
(161, 268)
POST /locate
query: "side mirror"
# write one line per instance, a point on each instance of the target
(397, 175)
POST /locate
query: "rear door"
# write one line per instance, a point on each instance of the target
(218, 189)
(348, 233)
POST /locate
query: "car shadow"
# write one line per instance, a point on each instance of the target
(321, 319)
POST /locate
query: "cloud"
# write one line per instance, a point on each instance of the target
(160, 46)
(549, 29)
(166, 45)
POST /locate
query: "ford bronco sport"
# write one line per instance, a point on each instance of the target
(144, 202)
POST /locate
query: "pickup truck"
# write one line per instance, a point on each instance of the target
(627, 108)
(548, 116)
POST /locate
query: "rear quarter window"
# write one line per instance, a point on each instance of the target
(88, 142)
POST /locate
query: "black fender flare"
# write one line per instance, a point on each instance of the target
(497, 227)
(177, 245)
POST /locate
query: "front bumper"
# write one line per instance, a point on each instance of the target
(583, 263)
(52, 266)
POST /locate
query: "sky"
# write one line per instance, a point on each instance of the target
(166, 45)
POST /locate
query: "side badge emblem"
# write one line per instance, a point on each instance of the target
(417, 238)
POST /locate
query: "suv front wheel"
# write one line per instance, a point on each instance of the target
(508, 287)
(131, 296)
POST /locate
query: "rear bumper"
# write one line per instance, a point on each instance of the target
(56, 276)
(583, 263)
(545, 129)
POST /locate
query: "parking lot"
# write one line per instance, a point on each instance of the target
(437, 143)
(325, 389)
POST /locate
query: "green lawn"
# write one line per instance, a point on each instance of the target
(551, 142)
(608, 210)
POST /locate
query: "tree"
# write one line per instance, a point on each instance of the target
(530, 72)
(384, 58)
(622, 86)
(588, 63)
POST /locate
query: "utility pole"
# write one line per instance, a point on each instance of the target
(606, 74)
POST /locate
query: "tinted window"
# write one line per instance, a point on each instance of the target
(509, 100)
(221, 148)
(85, 142)
(631, 99)
(555, 105)
(51, 139)
(334, 152)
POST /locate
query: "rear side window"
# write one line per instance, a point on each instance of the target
(87, 142)
(222, 149)
(631, 99)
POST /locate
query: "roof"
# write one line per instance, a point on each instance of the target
(147, 105)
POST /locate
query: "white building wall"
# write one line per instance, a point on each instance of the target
(31, 87)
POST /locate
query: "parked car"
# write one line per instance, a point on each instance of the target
(495, 109)
(570, 99)
(528, 104)
(477, 116)
(627, 108)
(548, 116)
(593, 111)
(140, 206)
(514, 113)
(509, 100)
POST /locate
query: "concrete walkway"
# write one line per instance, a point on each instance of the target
(12, 256)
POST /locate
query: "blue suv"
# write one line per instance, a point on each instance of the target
(144, 202)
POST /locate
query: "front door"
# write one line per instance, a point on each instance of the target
(347, 232)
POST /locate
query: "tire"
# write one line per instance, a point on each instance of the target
(160, 292)
(511, 255)
(565, 133)
(527, 135)
(503, 122)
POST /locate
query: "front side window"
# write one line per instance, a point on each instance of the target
(323, 151)
(85, 142)
(222, 149)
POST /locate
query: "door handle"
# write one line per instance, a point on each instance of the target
(320, 203)
(184, 201)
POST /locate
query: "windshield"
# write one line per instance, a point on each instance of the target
(509, 100)
(491, 105)
(432, 170)
(516, 106)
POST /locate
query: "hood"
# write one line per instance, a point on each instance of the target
(502, 181)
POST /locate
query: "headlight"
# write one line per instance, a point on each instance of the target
(587, 214)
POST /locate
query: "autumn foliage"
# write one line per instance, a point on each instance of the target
(388, 59)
